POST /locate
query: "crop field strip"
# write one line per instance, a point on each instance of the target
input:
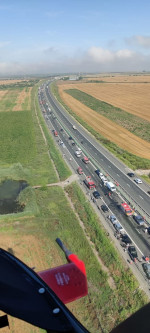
(15, 99)
(119, 78)
(132, 123)
(106, 127)
(131, 97)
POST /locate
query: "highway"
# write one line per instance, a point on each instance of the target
(141, 239)
(103, 159)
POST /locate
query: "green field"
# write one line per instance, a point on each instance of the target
(105, 306)
(21, 141)
(132, 123)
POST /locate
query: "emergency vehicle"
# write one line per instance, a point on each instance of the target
(89, 183)
(127, 209)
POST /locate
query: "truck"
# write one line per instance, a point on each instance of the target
(127, 209)
(85, 159)
(111, 187)
(55, 133)
(89, 183)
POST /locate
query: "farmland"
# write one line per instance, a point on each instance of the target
(29, 153)
(112, 130)
(32, 239)
(131, 97)
(20, 139)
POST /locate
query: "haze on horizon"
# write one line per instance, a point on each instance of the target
(41, 37)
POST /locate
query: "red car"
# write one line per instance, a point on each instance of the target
(80, 171)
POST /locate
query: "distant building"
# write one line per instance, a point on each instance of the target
(74, 78)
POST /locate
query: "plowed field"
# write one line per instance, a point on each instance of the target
(106, 127)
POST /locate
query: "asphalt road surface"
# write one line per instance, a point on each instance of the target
(98, 154)
(102, 158)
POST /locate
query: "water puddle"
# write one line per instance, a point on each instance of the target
(9, 190)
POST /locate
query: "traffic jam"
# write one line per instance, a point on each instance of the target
(103, 193)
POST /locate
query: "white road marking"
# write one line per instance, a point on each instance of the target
(118, 175)
(128, 184)
(141, 197)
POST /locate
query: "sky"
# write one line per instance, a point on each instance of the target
(74, 36)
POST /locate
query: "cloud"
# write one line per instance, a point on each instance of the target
(94, 59)
(143, 41)
(104, 56)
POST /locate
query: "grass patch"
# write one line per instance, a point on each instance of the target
(131, 160)
(23, 151)
(127, 286)
(61, 167)
(17, 139)
(103, 307)
(132, 123)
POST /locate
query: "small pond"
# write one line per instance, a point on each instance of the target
(9, 190)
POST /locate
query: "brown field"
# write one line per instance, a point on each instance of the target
(106, 127)
(121, 78)
(30, 250)
(21, 99)
(11, 81)
(133, 98)
(3, 93)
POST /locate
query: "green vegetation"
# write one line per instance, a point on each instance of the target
(48, 215)
(61, 167)
(22, 144)
(132, 123)
(133, 161)
(126, 285)
(22, 84)
(17, 139)
(105, 306)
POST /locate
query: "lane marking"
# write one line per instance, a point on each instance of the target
(128, 185)
(141, 197)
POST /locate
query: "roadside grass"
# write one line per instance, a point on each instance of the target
(104, 307)
(132, 161)
(60, 165)
(132, 123)
(17, 140)
(146, 178)
(22, 147)
(128, 297)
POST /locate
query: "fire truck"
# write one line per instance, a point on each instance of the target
(55, 133)
(85, 160)
(127, 209)
(89, 183)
